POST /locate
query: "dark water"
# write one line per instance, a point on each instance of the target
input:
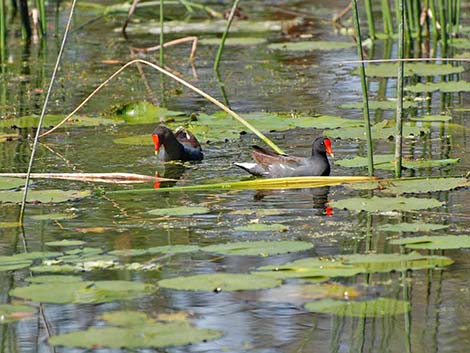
(255, 79)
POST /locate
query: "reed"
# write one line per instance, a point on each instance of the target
(3, 31)
(224, 36)
(41, 5)
(26, 31)
(370, 19)
(387, 17)
(399, 117)
(162, 39)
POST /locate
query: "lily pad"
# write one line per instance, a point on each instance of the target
(311, 45)
(460, 43)
(54, 279)
(172, 249)
(382, 131)
(10, 224)
(420, 69)
(220, 282)
(411, 227)
(128, 252)
(11, 313)
(179, 211)
(416, 186)
(233, 41)
(65, 242)
(10, 263)
(133, 335)
(52, 120)
(381, 204)
(447, 87)
(262, 227)
(259, 248)
(137, 140)
(9, 137)
(83, 292)
(376, 308)
(386, 162)
(395, 262)
(10, 183)
(383, 105)
(53, 216)
(432, 118)
(43, 196)
(442, 242)
(142, 113)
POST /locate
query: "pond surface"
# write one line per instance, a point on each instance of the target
(429, 307)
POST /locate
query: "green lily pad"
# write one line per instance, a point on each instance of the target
(233, 41)
(420, 69)
(11, 313)
(376, 308)
(126, 318)
(311, 45)
(395, 262)
(10, 183)
(83, 292)
(65, 242)
(386, 162)
(179, 211)
(142, 113)
(56, 269)
(220, 282)
(262, 227)
(464, 55)
(172, 249)
(43, 196)
(416, 186)
(145, 335)
(137, 140)
(382, 131)
(10, 224)
(460, 43)
(9, 137)
(376, 204)
(259, 248)
(52, 120)
(447, 87)
(411, 227)
(383, 105)
(53, 216)
(54, 279)
(128, 252)
(10, 263)
(437, 118)
(437, 242)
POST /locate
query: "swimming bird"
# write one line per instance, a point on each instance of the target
(274, 165)
(178, 146)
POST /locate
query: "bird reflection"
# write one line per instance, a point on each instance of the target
(170, 171)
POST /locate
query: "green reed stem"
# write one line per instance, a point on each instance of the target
(387, 17)
(432, 8)
(3, 30)
(457, 16)
(25, 23)
(365, 98)
(370, 19)
(162, 50)
(401, 64)
(41, 5)
(443, 18)
(224, 36)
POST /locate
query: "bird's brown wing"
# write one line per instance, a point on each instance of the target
(266, 158)
(187, 138)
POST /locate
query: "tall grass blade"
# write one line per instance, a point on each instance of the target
(401, 64)
(41, 5)
(26, 31)
(224, 36)
(162, 49)
(370, 19)
(112, 178)
(3, 31)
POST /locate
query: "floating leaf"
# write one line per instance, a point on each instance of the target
(10, 224)
(233, 41)
(10, 263)
(83, 292)
(262, 227)
(142, 112)
(126, 318)
(52, 120)
(437, 118)
(437, 242)
(179, 211)
(395, 262)
(220, 282)
(411, 227)
(43, 196)
(382, 131)
(10, 183)
(384, 105)
(172, 249)
(420, 69)
(444, 86)
(65, 242)
(386, 161)
(137, 140)
(381, 307)
(311, 45)
(380, 204)
(422, 185)
(259, 248)
(11, 313)
(9, 137)
(128, 252)
(54, 279)
(53, 216)
(56, 269)
(460, 43)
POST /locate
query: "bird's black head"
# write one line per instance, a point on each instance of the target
(322, 145)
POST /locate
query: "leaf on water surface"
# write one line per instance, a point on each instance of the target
(463, 55)
(420, 69)
(384, 105)
(52, 120)
(438, 242)
(142, 112)
(137, 140)
(65, 242)
(10, 183)
(395, 262)
(56, 269)
(173, 249)
(416, 186)
(20, 261)
(262, 227)
(43, 196)
(53, 216)
(84, 292)
(126, 318)
(260, 212)
(259, 248)
(311, 45)
(128, 252)
(445, 86)
(460, 43)
(11, 313)
(9, 137)
(234, 41)
(10, 224)
(411, 227)
(436, 118)
(220, 282)
(375, 308)
(381, 204)
(386, 162)
(146, 335)
(382, 131)
(179, 211)
(54, 279)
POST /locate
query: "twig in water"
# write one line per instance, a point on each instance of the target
(192, 39)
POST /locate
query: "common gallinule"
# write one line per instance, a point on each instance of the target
(178, 146)
(273, 165)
